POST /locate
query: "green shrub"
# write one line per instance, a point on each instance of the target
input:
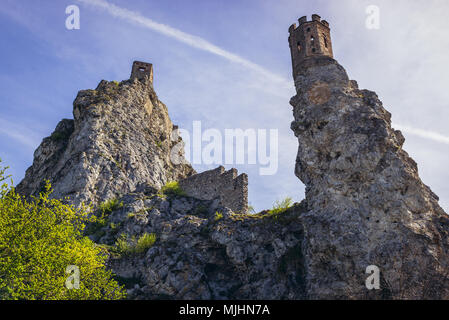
(122, 246)
(159, 144)
(144, 243)
(281, 206)
(107, 207)
(125, 246)
(172, 188)
(39, 238)
(218, 216)
(99, 221)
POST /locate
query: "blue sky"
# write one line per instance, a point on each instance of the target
(226, 63)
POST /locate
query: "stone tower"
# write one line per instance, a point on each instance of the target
(141, 70)
(310, 43)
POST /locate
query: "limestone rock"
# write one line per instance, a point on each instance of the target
(366, 202)
(201, 255)
(119, 141)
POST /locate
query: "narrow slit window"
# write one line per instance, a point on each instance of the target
(141, 69)
(325, 40)
(299, 46)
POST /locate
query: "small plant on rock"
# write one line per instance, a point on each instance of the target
(218, 216)
(172, 188)
(280, 206)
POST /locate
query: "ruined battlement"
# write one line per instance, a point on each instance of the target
(140, 70)
(303, 20)
(228, 187)
(310, 43)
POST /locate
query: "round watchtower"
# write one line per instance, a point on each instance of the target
(310, 43)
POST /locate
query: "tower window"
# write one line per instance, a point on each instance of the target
(308, 29)
(325, 40)
(141, 69)
(299, 46)
(313, 50)
(312, 40)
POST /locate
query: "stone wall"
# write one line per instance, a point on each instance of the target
(310, 41)
(230, 188)
(141, 70)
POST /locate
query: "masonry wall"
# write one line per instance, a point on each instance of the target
(227, 186)
(303, 52)
(142, 69)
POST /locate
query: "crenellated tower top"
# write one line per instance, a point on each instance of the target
(310, 42)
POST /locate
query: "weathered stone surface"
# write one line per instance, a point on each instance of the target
(366, 202)
(120, 139)
(199, 255)
(229, 188)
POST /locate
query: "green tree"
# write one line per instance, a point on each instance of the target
(39, 238)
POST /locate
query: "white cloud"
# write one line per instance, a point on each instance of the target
(435, 136)
(22, 135)
(191, 40)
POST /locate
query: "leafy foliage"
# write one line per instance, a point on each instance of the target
(218, 216)
(281, 206)
(109, 206)
(126, 246)
(99, 221)
(39, 238)
(172, 188)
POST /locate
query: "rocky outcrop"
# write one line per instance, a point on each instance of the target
(366, 203)
(119, 141)
(204, 250)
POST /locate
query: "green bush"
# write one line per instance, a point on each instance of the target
(172, 188)
(144, 243)
(125, 246)
(281, 206)
(218, 216)
(99, 221)
(107, 207)
(39, 238)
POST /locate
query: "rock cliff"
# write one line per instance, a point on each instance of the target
(119, 141)
(365, 204)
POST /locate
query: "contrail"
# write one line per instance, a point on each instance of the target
(202, 44)
(191, 40)
(21, 134)
(435, 136)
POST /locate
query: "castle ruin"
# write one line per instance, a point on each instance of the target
(140, 70)
(310, 43)
(228, 187)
